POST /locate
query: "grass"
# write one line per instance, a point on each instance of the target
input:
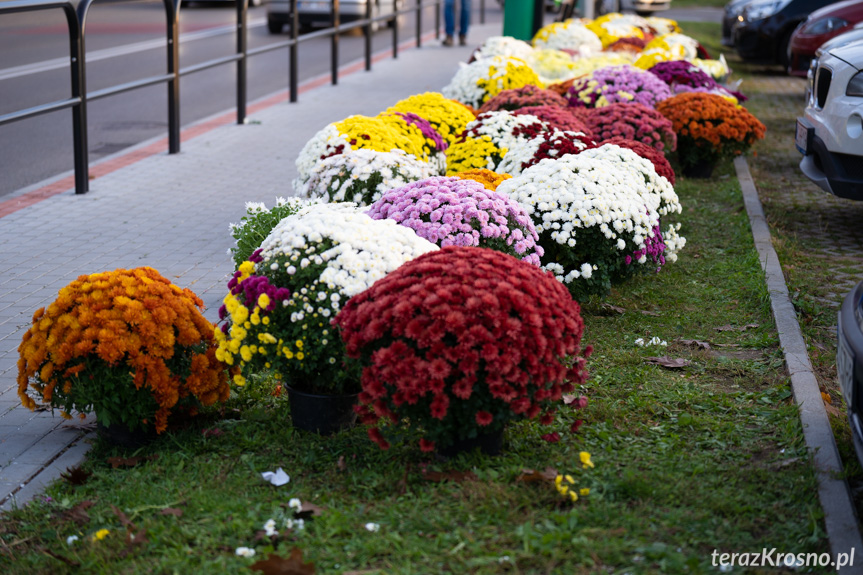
(709, 457)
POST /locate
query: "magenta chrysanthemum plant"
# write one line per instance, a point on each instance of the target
(557, 117)
(618, 84)
(521, 97)
(549, 144)
(457, 212)
(633, 122)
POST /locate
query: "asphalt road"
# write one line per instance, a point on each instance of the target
(125, 41)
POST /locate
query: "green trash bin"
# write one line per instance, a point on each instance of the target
(518, 19)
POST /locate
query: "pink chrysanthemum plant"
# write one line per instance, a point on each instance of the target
(458, 212)
(459, 342)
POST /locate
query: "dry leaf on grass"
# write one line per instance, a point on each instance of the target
(650, 313)
(65, 560)
(574, 401)
(456, 476)
(277, 565)
(171, 511)
(78, 513)
(695, 343)
(667, 362)
(124, 521)
(76, 475)
(531, 476)
(612, 309)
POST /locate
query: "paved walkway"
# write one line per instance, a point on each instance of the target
(169, 212)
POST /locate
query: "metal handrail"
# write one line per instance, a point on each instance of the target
(77, 20)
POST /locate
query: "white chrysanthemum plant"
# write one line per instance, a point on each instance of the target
(571, 35)
(503, 46)
(352, 250)
(476, 82)
(654, 185)
(597, 223)
(716, 69)
(363, 176)
(309, 266)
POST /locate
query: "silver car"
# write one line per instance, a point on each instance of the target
(317, 12)
(830, 133)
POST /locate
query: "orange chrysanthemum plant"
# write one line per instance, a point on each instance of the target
(126, 344)
(709, 127)
(487, 178)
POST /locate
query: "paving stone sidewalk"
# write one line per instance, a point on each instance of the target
(169, 212)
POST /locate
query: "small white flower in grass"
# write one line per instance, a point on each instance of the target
(245, 552)
(639, 342)
(295, 504)
(71, 539)
(373, 527)
(270, 527)
(297, 524)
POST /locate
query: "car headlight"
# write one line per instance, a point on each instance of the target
(761, 9)
(855, 86)
(823, 26)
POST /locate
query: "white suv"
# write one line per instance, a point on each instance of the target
(830, 134)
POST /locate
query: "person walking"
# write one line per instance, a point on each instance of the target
(449, 21)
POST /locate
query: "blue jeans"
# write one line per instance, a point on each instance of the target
(449, 17)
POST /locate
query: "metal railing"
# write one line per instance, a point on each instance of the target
(76, 19)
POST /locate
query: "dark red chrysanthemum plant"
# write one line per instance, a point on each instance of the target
(460, 341)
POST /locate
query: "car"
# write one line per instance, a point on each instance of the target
(821, 25)
(849, 362)
(830, 132)
(317, 12)
(764, 27)
(731, 14)
(640, 7)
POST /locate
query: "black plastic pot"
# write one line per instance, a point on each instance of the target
(488, 444)
(322, 414)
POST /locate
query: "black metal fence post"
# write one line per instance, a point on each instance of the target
(334, 42)
(242, 69)
(81, 162)
(419, 23)
(295, 30)
(396, 29)
(367, 32)
(172, 12)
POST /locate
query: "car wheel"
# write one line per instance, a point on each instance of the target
(274, 26)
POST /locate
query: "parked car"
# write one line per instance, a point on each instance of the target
(317, 12)
(641, 7)
(821, 25)
(764, 27)
(830, 133)
(731, 15)
(849, 362)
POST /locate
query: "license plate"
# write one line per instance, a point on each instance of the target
(845, 368)
(803, 136)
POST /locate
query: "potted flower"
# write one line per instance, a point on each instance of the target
(529, 95)
(461, 212)
(567, 119)
(474, 83)
(126, 344)
(459, 342)
(709, 128)
(632, 121)
(593, 214)
(618, 84)
(447, 117)
(660, 162)
(549, 144)
(277, 315)
(485, 140)
(361, 176)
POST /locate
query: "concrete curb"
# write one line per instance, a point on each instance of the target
(839, 516)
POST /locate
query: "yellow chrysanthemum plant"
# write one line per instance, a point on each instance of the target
(126, 344)
(481, 80)
(473, 153)
(446, 116)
